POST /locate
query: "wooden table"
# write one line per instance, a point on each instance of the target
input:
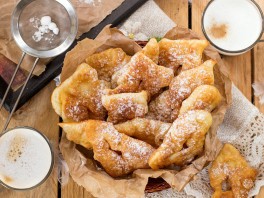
(38, 113)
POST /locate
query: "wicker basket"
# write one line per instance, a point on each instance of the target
(156, 184)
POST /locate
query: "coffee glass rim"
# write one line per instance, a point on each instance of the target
(51, 164)
(235, 51)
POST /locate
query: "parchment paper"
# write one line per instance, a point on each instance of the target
(90, 13)
(96, 181)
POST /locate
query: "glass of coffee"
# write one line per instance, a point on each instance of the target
(26, 158)
(232, 27)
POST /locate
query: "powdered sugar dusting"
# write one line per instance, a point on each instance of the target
(108, 62)
(229, 166)
(190, 129)
(160, 108)
(118, 153)
(80, 95)
(182, 86)
(187, 53)
(150, 131)
(45, 29)
(126, 106)
(167, 105)
(143, 74)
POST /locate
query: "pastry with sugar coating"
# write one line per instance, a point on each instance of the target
(205, 97)
(78, 98)
(160, 108)
(185, 53)
(184, 84)
(151, 50)
(108, 62)
(166, 106)
(184, 140)
(230, 166)
(118, 153)
(141, 73)
(150, 131)
(125, 106)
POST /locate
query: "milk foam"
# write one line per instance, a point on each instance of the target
(242, 19)
(25, 158)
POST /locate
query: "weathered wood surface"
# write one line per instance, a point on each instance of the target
(38, 113)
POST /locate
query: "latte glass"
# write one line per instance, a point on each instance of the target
(26, 158)
(232, 27)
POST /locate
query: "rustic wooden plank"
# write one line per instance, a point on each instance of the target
(240, 72)
(37, 113)
(261, 5)
(259, 70)
(178, 12)
(238, 66)
(72, 190)
(259, 75)
(258, 64)
(197, 11)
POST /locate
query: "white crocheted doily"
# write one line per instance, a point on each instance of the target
(243, 127)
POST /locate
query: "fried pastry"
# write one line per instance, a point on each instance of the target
(125, 106)
(184, 140)
(118, 153)
(187, 53)
(151, 50)
(150, 131)
(204, 97)
(229, 166)
(79, 97)
(184, 84)
(167, 105)
(160, 108)
(142, 74)
(108, 62)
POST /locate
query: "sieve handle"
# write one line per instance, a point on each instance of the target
(22, 90)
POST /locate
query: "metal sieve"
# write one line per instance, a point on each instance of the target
(62, 13)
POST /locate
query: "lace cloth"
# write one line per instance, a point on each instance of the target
(243, 125)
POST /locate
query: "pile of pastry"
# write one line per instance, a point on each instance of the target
(149, 110)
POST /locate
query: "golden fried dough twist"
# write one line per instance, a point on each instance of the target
(125, 106)
(79, 97)
(160, 108)
(184, 140)
(151, 50)
(167, 105)
(108, 62)
(204, 97)
(230, 166)
(142, 73)
(183, 85)
(118, 153)
(150, 131)
(187, 53)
